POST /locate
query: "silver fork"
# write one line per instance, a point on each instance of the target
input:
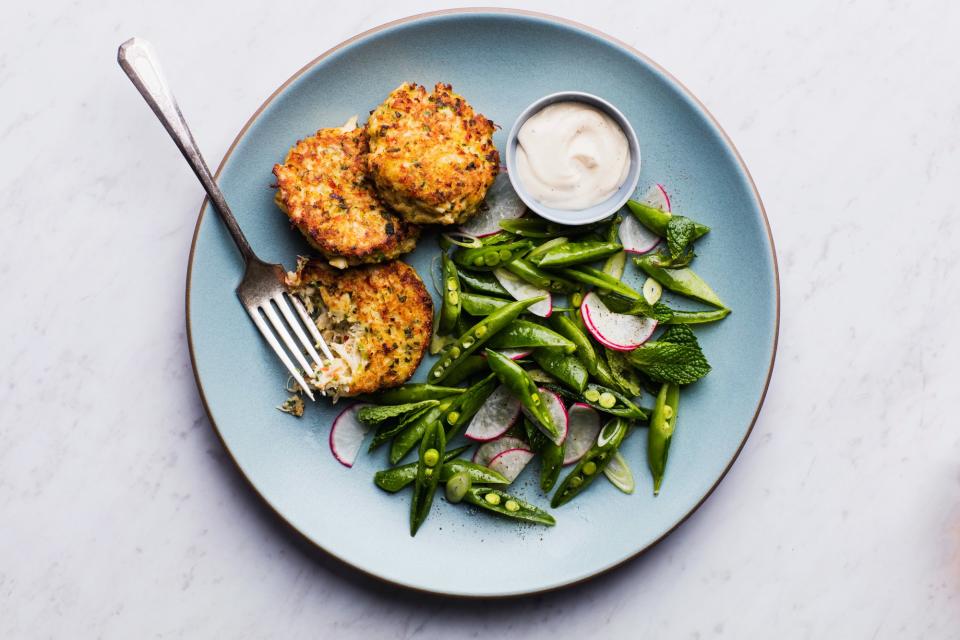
(262, 291)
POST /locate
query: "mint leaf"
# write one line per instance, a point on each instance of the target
(376, 415)
(676, 357)
(623, 373)
(680, 232)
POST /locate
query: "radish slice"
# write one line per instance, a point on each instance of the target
(523, 290)
(619, 474)
(511, 462)
(558, 411)
(502, 203)
(497, 414)
(490, 450)
(347, 434)
(616, 331)
(584, 429)
(635, 237)
(516, 354)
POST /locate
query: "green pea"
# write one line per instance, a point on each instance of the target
(491, 259)
(667, 412)
(457, 486)
(428, 472)
(592, 395)
(452, 285)
(454, 351)
(453, 297)
(480, 331)
(606, 400)
(504, 254)
(431, 457)
(478, 261)
(511, 505)
(576, 481)
(590, 468)
(452, 417)
(492, 498)
(467, 343)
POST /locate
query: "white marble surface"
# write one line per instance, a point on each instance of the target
(120, 516)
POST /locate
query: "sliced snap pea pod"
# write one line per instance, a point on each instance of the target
(524, 270)
(597, 278)
(428, 475)
(657, 219)
(612, 402)
(415, 392)
(406, 439)
(566, 368)
(523, 333)
(480, 305)
(592, 463)
(477, 336)
(490, 257)
(396, 478)
(662, 423)
(533, 228)
(682, 280)
(482, 283)
(551, 455)
(541, 249)
(472, 366)
(450, 304)
(386, 432)
(506, 505)
(522, 386)
(500, 237)
(573, 253)
(463, 409)
(697, 317)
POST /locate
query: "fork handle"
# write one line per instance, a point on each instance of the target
(139, 61)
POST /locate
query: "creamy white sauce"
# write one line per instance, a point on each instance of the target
(571, 155)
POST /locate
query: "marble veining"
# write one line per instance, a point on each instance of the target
(122, 516)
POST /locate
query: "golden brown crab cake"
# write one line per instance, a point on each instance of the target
(431, 155)
(323, 188)
(376, 319)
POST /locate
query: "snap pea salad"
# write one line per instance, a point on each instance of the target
(490, 334)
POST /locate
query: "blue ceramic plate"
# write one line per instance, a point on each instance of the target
(501, 61)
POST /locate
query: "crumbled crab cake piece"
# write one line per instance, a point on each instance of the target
(376, 319)
(323, 188)
(431, 155)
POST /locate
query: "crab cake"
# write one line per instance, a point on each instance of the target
(323, 188)
(376, 319)
(431, 156)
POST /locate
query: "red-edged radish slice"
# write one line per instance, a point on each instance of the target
(616, 331)
(523, 290)
(583, 430)
(635, 237)
(502, 203)
(511, 462)
(558, 411)
(347, 434)
(490, 450)
(516, 354)
(497, 414)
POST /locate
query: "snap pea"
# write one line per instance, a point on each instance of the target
(525, 389)
(450, 304)
(480, 305)
(415, 392)
(662, 423)
(623, 373)
(477, 336)
(697, 317)
(682, 280)
(573, 253)
(546, 246)
(566, 368)
(524, 270)
(472, 366)
(657, 219)
(540, 228)
(506, 505)
(592, 463)
(412, 433)
(482, 282)
(462, 410)
(396, 478)
(489, 257)
(597, 278)
(574, 331)
(428, 475)
(551, 455)
(524, 333)
(500, 237)
(612, 401)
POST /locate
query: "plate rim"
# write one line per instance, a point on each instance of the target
(303, 537)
